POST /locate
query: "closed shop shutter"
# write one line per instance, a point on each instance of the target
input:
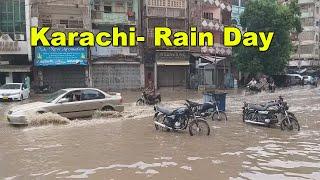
(64, 77)
(116, 76)
(172, 76)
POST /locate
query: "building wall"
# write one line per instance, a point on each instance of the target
(307, 43)
(116, 67)
(65, 16)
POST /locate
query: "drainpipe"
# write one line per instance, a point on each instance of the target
(28, 7)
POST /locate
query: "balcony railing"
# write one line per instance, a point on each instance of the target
(307, 14)
(218, 49)
(166, 12)
(113, 51)
(305, 1)
(113, 18)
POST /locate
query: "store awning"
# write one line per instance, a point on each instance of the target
(15, 68)
(173, 63)
(213, 59)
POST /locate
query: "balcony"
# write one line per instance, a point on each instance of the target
(113, 18)
(218, 49)
(307, 14)
(113, 51)
(305, 1)
(73, 3)
(213, 24)
(166, 12)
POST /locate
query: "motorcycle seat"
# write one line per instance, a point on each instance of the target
(193, 104)
(164, 110)
(258, 107)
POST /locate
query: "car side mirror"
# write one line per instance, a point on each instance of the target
(63, 100)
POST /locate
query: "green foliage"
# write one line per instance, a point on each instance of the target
(268, 16)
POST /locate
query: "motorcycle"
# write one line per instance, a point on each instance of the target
(207, 109)
(270, 114)
(180, 119)
(147, 99)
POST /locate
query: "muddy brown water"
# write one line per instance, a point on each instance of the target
(130, 148)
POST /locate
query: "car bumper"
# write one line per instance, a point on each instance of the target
(119, 108)
(17, 120)
(10, 98)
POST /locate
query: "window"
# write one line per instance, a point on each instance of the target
(107, 9)
(317, 9)
(73, 96)
(91, 95)
(12, 17)
(207, 15)
(119, 7)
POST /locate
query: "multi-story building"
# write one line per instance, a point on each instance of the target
(211, 66)
(116, 67)
(165, 66)
(15, 54)
(307, 44)
(237, 10)
(61, 67)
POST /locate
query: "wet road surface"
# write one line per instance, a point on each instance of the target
(130, 148)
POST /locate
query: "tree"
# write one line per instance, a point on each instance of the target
(268, 16)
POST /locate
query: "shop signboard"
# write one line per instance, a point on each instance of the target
(57, 56)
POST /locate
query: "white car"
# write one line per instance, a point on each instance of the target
(69, 103)
(14, 92)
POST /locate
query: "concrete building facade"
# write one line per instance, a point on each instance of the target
(165, 66)
(116, 67)
(211, 66)
(15, 57)
(307, 43)
(237, 9)
(61, 67)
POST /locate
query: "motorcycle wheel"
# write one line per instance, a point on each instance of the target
(248, 116)
(294, 125)
(199, 127)
(140, 102)
(219, 116)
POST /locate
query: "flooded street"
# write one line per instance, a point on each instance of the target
(129, 147)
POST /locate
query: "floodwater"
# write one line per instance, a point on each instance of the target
(128, 146)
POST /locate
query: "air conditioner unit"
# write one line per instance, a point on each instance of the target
(19, 37)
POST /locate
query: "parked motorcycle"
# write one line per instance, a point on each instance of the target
(271, 113)
(180, 119)
(207, 109)
(147, 99)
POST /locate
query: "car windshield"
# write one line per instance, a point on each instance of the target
(11, 86)
(54, 96)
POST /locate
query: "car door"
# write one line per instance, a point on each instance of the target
(71, 108)
(91, 100)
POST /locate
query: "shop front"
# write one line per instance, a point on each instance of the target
(61, 67)
(171, 69)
